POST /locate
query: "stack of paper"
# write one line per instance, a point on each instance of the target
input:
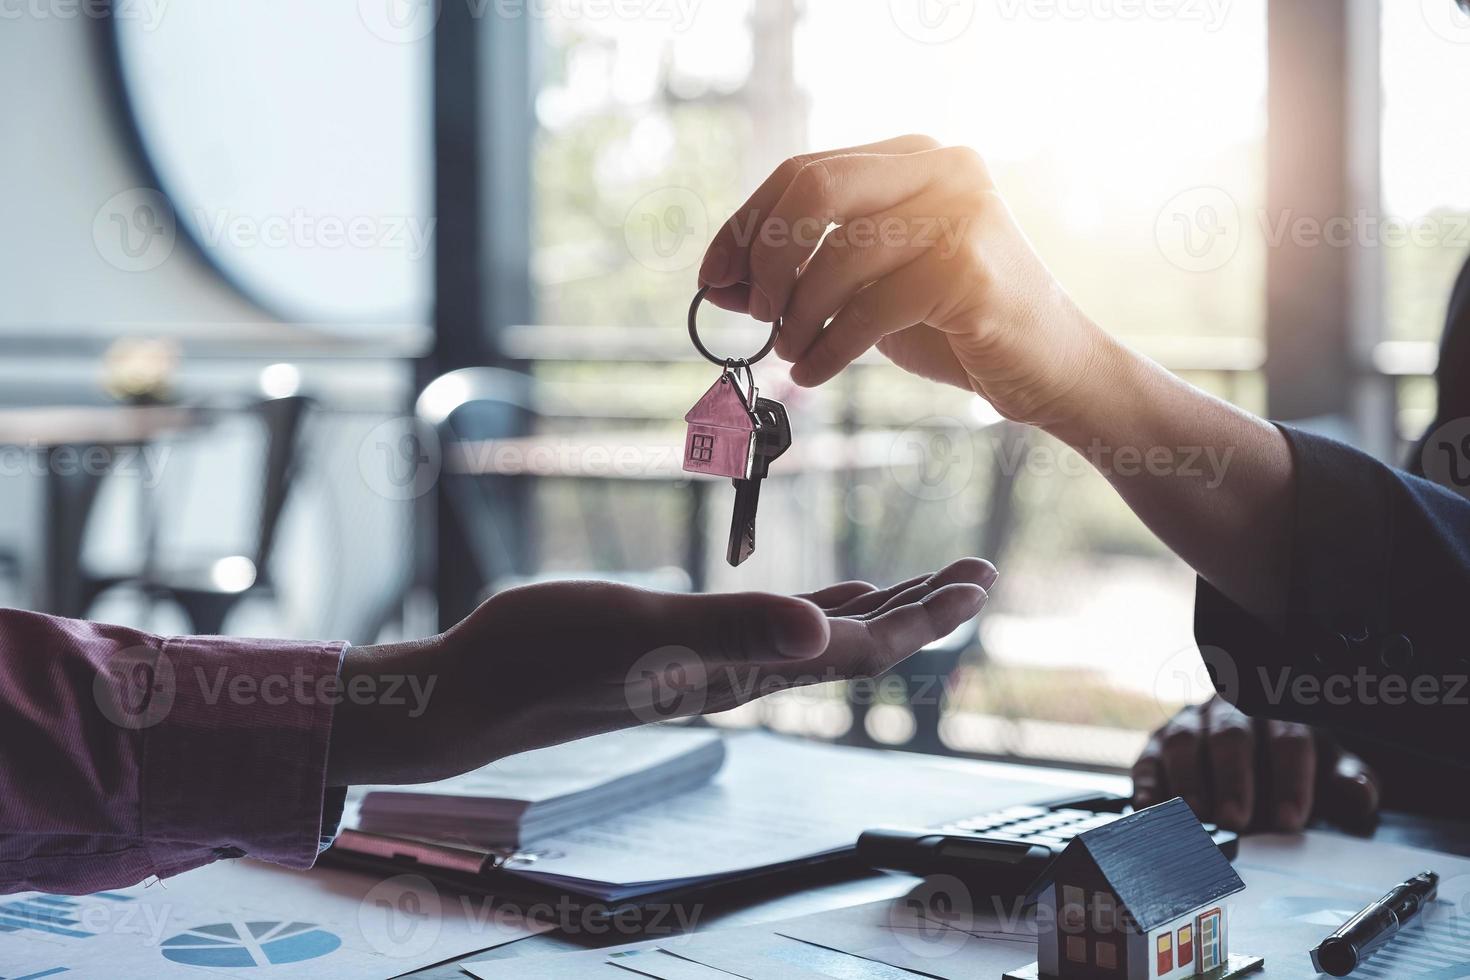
(519, 799)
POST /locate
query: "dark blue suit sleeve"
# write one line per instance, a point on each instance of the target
(1376, 639)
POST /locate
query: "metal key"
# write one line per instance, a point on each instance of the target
(772, 438)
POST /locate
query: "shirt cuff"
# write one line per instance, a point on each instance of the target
(236, 759)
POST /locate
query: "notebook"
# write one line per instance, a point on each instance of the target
(522, 798)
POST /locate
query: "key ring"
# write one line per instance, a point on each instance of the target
(726, 361)
(733, 367)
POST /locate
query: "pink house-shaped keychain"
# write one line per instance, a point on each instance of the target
(721, 436)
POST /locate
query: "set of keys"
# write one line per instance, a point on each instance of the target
(735, 432)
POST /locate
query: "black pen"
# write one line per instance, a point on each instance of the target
(1341, 952)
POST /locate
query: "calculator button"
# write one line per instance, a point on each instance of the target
(1021, 812)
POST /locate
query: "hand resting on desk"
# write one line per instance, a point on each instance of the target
(553, 662)
(1243, 772)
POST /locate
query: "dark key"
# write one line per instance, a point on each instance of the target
(772, 438)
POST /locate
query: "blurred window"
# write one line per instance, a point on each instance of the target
(294, 142)
(1426, 141)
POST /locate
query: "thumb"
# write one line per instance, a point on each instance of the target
(748, 626)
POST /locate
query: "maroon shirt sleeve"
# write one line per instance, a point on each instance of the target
(125, 755)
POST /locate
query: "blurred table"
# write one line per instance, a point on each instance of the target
(76, 447)
(658, 456)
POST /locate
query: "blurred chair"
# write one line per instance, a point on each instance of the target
(209, 590)
(925, 673)
(494, 512)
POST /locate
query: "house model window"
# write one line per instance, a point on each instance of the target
(701, 448)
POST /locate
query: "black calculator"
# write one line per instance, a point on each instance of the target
(1003, 854)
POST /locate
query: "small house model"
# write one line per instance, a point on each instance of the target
(1141, 898)
(721, 436)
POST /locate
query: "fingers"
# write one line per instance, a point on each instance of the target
(1292, 751)
(864, 604)
(1182, 741)
(749, 627)
(833, 596)
(1351, 792)
(867, 647)
(848, 259)
(974, 570)
(1230, 745)
(727, 260)
(839, 189)
(924, 351)
(1149, 784)
(740, 627)
(901, 300)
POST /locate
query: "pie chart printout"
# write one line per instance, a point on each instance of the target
(247, 944)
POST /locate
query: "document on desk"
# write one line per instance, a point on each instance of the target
(750, 953)
(778, 957)
(234, 915)
(931, 931)
(777, 801)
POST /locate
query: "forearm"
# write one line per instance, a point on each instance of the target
(1214, 482)
(125, 755)
(385, 739)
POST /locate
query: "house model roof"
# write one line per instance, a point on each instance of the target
(723, 404)
(1160, 863)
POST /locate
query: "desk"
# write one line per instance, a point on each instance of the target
(860, 888)
(77, 446)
